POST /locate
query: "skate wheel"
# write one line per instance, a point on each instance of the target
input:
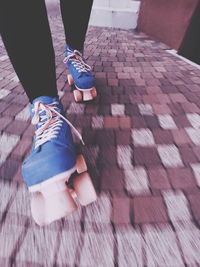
(81, 164)
(84, 189)
(46, 210)
(94, 92)
(78, 95)
(87, 96)
(70, 79)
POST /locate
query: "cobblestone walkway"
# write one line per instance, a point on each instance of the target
(142, 139)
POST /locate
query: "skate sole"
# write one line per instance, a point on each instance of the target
(81, 95)
(58, 199)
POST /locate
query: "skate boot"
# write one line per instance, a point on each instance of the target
(53, 165)
(80, 75)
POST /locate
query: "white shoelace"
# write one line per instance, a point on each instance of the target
(76, 58)
(50, 123)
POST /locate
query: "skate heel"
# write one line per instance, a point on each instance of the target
(52, 202)
(82, 183)
(81, 95)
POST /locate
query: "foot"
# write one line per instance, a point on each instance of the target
(80, 75)
(51, 162)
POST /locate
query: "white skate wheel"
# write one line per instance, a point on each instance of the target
(84, 189)
(81, 164)
(78, 95)
(70, 79)
(47, 210)
(87, 96)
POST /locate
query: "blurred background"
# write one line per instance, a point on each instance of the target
(174, 22)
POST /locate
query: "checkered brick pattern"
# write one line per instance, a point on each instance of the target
(142, 137)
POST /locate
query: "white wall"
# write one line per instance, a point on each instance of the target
(115, 13)
(109, 13)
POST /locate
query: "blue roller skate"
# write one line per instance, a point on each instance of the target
(80, 75)
(52, 165)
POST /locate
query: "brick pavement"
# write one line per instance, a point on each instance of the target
(142, 139)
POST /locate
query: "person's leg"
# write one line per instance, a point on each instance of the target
(75, 16)
(27, 38)
(26, 34)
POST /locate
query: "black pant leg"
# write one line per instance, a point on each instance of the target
(25, 31)
(75, 16)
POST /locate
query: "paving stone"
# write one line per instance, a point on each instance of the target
(107, 158)
(45, 242)
(196, 171)
(153, 90)
(181, 121)
(121, 210)
(21, 202)
(22, 148)
(117, 109)
(161, 247)
(132, 110)
(24, 115)
(169, 155)
(7, 192)
(124, 157)
(75, 108)
(194, 135)
(145, 109)
(163, 98)
(136, 181)
(124, 122)
(194, 200)
(146, 156)
(180, 137)
(4, 93)
(149, 210)
(29, 132)
(166, 122)
(99, 212)
(129, 242)
(138, 122)
(89, 137)
(9, 235)
(163, 136)
(16, 127)
(187, 155)
(179, 98)
(4, 121)
(143, 137)
(111, 122)
(151, 122)
(7, 143)
(189, 238)
(196, 150)
(112, 179)
(98, 249)
(177, 206)
(161, 109)
(97, 122)
(158, 178)
(91, 154)
(189, 107)
(181, 178)
(12, 110)
(9, 169)
(69, 247)
(123, 137)
(194, 119)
